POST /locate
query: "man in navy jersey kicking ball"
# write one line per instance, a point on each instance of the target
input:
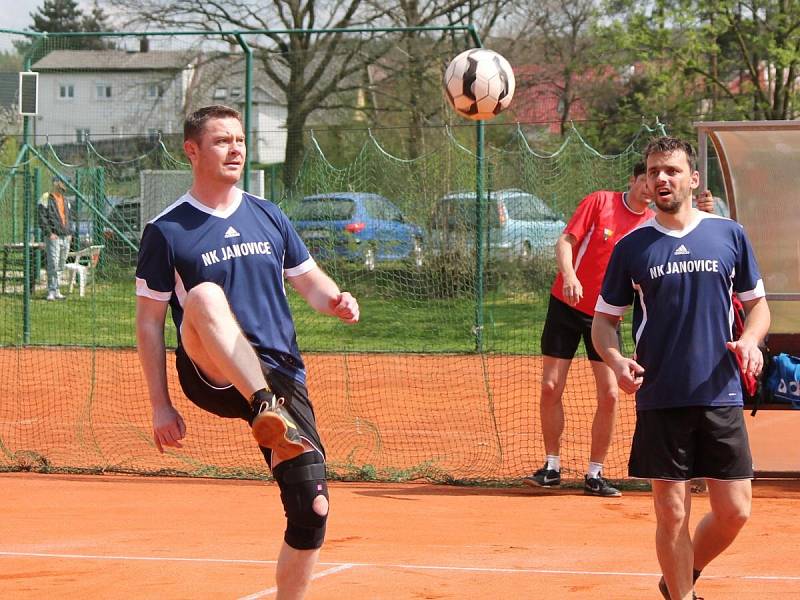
(679, 270)
(217, 257)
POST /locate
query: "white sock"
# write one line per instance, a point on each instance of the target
(595, 469)
(554, 462)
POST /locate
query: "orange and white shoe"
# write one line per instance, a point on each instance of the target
(273, 428)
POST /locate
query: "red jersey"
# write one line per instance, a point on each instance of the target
(600, 220)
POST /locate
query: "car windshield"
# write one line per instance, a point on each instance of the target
(529, 208)
(323, 209)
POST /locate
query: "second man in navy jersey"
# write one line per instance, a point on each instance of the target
(679, 270)
(218, 257)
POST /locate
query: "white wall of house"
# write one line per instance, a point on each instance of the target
(109, 104)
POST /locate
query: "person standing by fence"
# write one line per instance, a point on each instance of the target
(56, 224)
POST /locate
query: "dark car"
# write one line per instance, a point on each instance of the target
(122, 213)
(356, 226)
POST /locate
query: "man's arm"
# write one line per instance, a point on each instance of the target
(605, 340)
(45, 217)
(573, 290)
(756, 326)
(168, 425)
(323, 295)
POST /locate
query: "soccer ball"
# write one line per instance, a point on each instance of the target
(479, 84)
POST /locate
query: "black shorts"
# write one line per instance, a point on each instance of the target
(685, 443)
(564, 327)
(227, 402)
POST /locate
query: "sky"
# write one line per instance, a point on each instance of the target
(16, 15)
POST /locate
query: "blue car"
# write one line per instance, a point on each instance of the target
(518, 224)
(356, 226)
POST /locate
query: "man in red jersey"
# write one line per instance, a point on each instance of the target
(582, 254)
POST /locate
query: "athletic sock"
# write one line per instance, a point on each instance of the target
(260, 395)
(594, 470)
(554, 462)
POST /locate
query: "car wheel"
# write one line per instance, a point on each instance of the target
(369, 258)
(416, 252)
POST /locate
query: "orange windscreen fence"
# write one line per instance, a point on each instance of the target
(381, 417)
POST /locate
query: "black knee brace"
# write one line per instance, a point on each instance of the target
(301, 480)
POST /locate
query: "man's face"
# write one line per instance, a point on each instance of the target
(637, 189)
(220, 152)
(670, 180)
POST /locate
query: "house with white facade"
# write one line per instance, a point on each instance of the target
(103, 94)
(221, 80)
(118, 94)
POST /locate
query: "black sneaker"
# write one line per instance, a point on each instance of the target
(597, 486)
(662, 587)
(544, 477)
(273, 428)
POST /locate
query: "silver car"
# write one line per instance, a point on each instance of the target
(518, 224)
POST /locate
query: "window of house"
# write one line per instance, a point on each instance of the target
(82, 135)
(236, 92)
(103, 91)
(66, 90)
(220, 93)
(155, 90)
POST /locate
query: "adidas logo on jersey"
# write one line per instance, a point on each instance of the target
(231, 233)
(680, 251)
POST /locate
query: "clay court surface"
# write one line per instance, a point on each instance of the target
(117, 536)
(93, 537)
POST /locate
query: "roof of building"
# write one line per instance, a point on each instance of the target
(226, 72)
(114, 60)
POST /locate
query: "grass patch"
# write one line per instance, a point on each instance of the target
(105, 317)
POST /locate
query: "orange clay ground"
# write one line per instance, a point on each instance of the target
(92, 537)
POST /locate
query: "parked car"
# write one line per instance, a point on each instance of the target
(518, 224)
(123, 213)
(356, 226)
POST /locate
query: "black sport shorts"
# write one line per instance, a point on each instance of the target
(685, 443)
(564, 327)
(229, 403)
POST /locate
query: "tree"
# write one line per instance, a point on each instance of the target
(65, 16)
(741, 58)
(559, 34)
(10, 61)
(312, 70)
(57, 16)
(413, 74)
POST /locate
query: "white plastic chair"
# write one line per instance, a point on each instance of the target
(80, 265)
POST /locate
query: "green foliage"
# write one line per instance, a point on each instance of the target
(65, 16)
(725, 60)
(10, 61)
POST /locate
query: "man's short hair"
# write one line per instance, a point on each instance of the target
(640, 168)
(195, 122)
(668, 145)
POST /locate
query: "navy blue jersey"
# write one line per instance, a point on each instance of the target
(245, 249)
(681, 284)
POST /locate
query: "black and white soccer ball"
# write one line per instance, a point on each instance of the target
(479, 84)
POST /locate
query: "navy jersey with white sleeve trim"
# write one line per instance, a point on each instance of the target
(246, 250)
(680, 283)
